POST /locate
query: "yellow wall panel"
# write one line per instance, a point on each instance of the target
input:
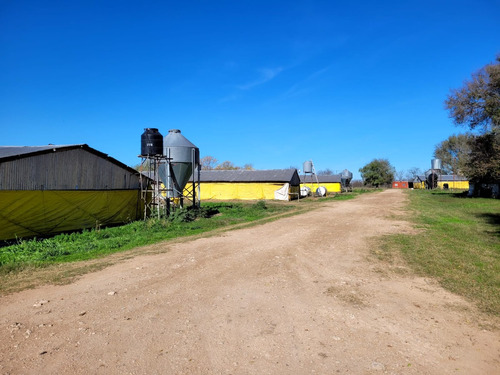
(331, 187)
(455, 184)
(238, 190)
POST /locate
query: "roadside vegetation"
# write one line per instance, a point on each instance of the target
(76, 246)
(97, 243)
(458, 244)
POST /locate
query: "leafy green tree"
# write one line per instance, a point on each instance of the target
(483, 163)
(378, 172)
(454, 153)
(476, 105)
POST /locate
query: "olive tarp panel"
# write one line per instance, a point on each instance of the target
(27, 213)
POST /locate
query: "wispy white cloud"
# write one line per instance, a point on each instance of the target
(303, 87)
(266, 75)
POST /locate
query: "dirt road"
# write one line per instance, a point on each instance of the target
(300, 295)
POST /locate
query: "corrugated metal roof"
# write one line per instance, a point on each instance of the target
(444, 177)
(242, 175)
(322, 179)
(16, 152)
(13, 151)
(449, 177)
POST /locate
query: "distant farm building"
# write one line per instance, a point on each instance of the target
(281, 184)
(402, 184)
(330, 182)
(50, 189)
(443, 182)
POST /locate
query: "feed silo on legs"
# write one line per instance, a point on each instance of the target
(182, 164)
(345, 180)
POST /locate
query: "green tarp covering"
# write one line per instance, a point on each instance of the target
(27, 213)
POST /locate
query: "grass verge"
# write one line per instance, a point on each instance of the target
(458, 244)
(89, 244)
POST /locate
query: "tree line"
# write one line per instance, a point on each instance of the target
(475, 154)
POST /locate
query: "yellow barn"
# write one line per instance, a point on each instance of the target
(444, 182)
(330, 182)
(453, 182)
(281, 184)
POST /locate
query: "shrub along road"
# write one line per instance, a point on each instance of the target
(299, 295)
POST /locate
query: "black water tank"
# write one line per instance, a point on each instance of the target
(151, 142)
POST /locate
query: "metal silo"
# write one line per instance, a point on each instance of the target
(183, 158)
(308, 166)
(436, 164)
(345, 180)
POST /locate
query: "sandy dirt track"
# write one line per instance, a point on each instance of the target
(300, 295)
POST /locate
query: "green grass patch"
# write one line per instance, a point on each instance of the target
(458, 244)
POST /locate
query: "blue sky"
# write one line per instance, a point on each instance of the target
(269, 83)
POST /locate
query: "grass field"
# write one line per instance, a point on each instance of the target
(458, 244)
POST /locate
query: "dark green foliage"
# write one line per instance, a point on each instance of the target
(377, 173)
(483, 163)
(476, 105)
(454, 153)
(260, 205)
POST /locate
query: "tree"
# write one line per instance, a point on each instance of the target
(377, 172)
(208, 162)
(412, 173)
(227, 165)
(399, 175)
(477, 106)
(454, 153)
(477, 103)
(483, 163)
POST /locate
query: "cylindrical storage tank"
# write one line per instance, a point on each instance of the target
(346, 174)
(183, 157)
(321, 191)
(436, 164)
(305, 191)
(151, 142)
(308, 166)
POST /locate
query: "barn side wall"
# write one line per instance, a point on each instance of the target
(331, 187)
(454, 184)
(42, 213)
(238, 190)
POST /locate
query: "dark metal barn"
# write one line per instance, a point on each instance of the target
(50, 189)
